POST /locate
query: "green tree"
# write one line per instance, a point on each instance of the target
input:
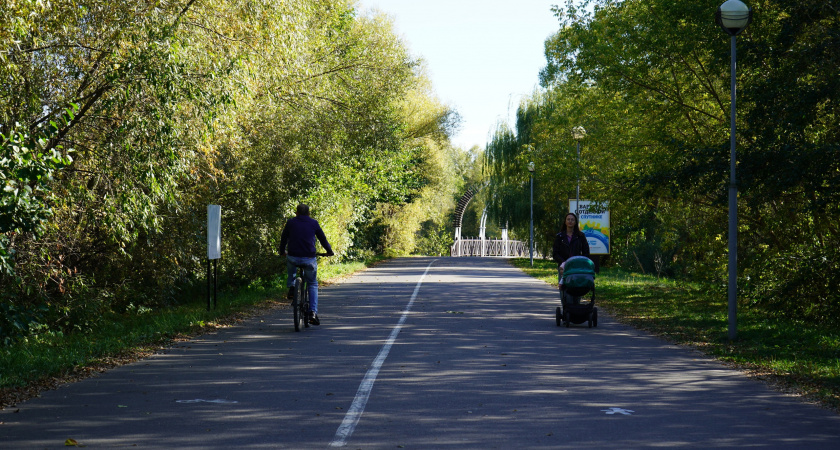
(653, 94)
(170, 106)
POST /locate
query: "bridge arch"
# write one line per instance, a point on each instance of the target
(462, 206)
(482, 246)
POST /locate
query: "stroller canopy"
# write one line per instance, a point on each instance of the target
(579, 265)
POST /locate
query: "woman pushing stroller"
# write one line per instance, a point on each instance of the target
(567, 243)
(571, 249)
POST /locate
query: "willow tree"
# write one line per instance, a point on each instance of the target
(99, 81)
(124, 120)
(425, 137)
(315, 121)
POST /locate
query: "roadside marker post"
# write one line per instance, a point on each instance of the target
(214, 247)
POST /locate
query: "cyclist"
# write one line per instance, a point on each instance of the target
(299, 234)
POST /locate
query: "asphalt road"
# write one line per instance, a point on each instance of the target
(423, 353)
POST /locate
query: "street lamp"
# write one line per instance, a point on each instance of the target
(531, 170)
(733, 16)
(578, 133)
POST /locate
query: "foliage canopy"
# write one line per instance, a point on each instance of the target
(649, 80)
(122, 121)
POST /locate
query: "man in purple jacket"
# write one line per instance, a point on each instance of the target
(300, 233)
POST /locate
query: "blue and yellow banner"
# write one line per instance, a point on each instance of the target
(595, 223)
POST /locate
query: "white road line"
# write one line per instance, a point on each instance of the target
(358, 407)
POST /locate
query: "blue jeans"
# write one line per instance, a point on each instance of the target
(310, 274)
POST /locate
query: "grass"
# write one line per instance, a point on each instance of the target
(792, 354)
(48, 360)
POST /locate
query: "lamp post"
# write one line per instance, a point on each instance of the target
(531, 170)
(733, 16)
(578, 133)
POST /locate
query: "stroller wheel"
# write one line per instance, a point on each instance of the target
(595, 317)
(566, 318)
(558, 316)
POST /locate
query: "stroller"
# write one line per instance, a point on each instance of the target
(578, 280)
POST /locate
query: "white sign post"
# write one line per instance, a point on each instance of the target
(214, 246)
(214, 231)
(594, 220)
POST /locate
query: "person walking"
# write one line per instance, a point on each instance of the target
(299, 235)
(567, 243)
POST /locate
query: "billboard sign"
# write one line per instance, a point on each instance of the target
(595, 223)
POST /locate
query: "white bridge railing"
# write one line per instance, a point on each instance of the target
(489, 247)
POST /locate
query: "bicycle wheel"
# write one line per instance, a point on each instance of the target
(305, 309)
(297, 305)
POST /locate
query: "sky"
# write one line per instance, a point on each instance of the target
(483, 56)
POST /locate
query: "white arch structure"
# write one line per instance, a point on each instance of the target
(482, 246)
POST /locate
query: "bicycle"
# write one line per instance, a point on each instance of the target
(301, 312)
